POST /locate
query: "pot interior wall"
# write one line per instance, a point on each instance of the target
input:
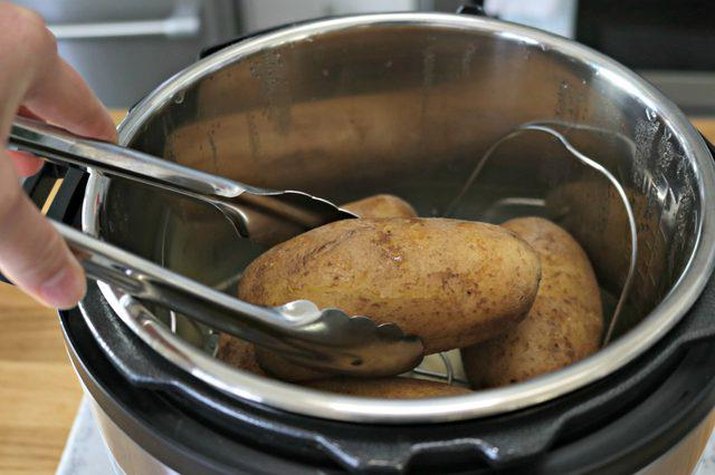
(410, 110)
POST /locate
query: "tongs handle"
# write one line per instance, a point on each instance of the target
(150, 282)
(62, 147)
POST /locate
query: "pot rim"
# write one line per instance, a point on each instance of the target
(246, 386)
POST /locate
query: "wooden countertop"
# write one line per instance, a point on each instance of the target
(39, 392)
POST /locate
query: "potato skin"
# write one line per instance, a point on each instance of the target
(453, 283)
(244, 355)
(241, 354)
(563, 326)
(238, 353)
(381, 206)
(275, 365)
(389, 388)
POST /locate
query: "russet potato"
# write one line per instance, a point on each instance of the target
(563, 326)
(238, 353)
(389, 388)
(242, 354)
(381, 206)
(453, 283)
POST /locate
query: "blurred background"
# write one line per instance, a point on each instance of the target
(124, 49)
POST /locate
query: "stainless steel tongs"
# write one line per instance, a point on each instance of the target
(261, 215)
(326, 339)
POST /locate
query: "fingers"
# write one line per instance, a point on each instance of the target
(32, 254)
(25, 164)
(59, 95)
(33, 75)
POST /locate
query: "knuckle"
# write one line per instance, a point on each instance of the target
(29, 30)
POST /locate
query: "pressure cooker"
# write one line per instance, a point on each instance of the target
(403, 103)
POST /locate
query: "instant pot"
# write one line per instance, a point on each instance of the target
(406, 103)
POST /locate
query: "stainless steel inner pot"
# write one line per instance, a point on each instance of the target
(407, 104)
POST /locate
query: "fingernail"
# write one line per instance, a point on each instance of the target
(64, 289)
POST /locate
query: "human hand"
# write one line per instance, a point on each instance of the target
(35, 81)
